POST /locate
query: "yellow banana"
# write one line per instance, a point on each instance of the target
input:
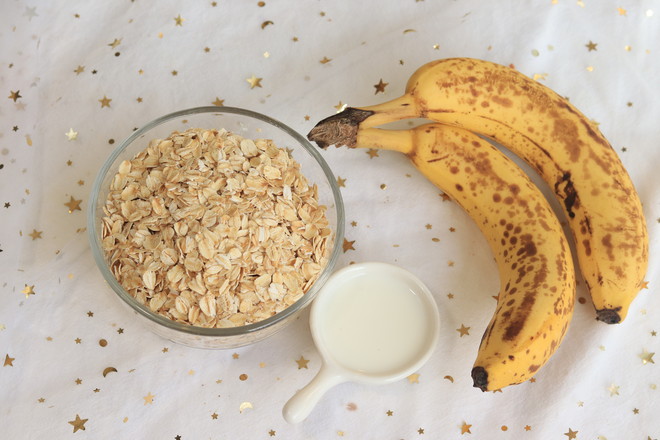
(567, 150)
(537, 278)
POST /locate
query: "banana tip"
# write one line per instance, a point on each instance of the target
(340, 129)
(609, 316)
(480, 378)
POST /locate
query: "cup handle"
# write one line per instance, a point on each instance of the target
(301, 404)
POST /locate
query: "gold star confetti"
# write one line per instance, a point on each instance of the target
(73, 205)
(218, 102)
(245, 405)
(302, 362)
(528, 428)
(149, 398)
(407, 31)
(78, 340)
(540, 76)
(266, 23)
(71, 135)
(571, 434)
(654, 333)
(35, 234)
(8, 361)
(613, 389)
(622, 11)
(207, 49)
(436, 47)
(178, 20)
(465, 428)
(78, 423)
(590, 68)
(271, 433)
(28, 290)
(116, 42)
(463, 330)
(15, 95)
(635, 411)
(41, 400)
(78, 70)
(348, 245)
(591, 46)
(645, 285)
(325, 60)
(450, 295)
(105, 101)
(214, 416)
(340, 106)
(389, 413)
(341, 182)
(380, 87)
(420, 431)
(174, 73)
(243, 377)
(413, 378)
(78, 381)
(138, 99)
(646, 357)
(235, 355)
(372, 152)
(254, 81)
(449, 378)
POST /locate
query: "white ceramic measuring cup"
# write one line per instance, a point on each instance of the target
(372, 323)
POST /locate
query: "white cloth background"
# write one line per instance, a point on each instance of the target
(595, 387)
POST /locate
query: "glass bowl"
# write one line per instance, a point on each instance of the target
(250, 125)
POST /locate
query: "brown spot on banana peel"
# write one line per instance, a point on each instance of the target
(340, 129)
(609, 316)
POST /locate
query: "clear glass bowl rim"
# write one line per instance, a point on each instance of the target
(97, 251)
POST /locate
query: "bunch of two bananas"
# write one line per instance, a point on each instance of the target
(466, 98)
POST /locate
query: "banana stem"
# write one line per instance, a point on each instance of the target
(394, 140)
(403, 107)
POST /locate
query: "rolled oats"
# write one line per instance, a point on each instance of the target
(214, 230)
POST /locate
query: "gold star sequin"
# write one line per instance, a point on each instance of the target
(463, 330)
(341, 182)
(28, 290)
(449, 378)
(325, 60)
(348, 245)
(14, 96)
(266, 23)
(214, 416)
(105, 101)
(218, 102)
(635, 411)
(73, 205)
(78, 423)
(645, 285)
(116, 42)
(302, 362)
(420, 431)
(380, 87)
(465, 428)
(646, 357)
(178, 20)
(149, 398)
(372, 152)
(571, 434)
(613, 389)
(591, 46)
(78, 70)
(71, 135)
(389, 413)
(174, 73)
(235, 355)
(413, 378)
(8, 361)
(622, 11)
(254, 81)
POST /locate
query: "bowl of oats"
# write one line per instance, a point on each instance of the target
(216, 226)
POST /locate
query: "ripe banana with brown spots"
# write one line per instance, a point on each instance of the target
(566, 149)
(537, 278)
